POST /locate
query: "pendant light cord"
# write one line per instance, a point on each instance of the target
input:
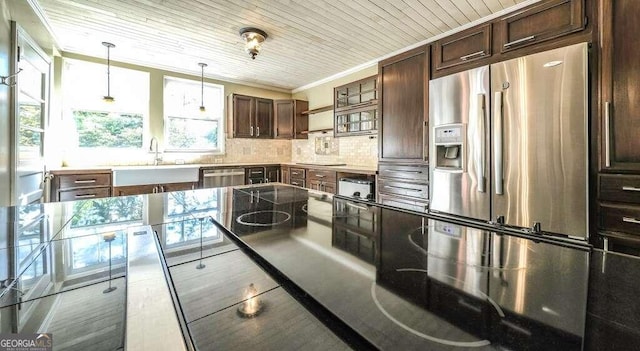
(202, 86)
(108, 71)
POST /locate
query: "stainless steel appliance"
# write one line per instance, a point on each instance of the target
(221, 177)
(357, 187)
(509, 142)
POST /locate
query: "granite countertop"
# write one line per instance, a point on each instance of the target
(341, 168)
(395, 279)
(338, 168)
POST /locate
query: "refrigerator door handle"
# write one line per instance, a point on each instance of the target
(483, 156)
(497, 144)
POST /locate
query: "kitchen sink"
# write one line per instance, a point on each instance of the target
(141, 175)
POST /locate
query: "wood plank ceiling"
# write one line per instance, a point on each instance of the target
(308, 40)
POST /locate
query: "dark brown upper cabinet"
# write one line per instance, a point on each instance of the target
(355, 107)
(289, 119)
(252, 117)
(545, 21)
(404, 98)
(469, 46)
(620, 74)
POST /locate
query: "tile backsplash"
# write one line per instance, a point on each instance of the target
(237, 151)
(353, 150)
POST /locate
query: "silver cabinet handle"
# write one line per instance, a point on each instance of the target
(251, 130)
(85, 196)
(470, 56)
(403, 188)
(483, 157)
(257, 131)
(630, 188)
(88, 181)
(497, 144)
(155, 189)
(630, 220)
(319, 176)
(607, 136)
(519, 41)
(162, 188)
(358, 207)
(394, 171)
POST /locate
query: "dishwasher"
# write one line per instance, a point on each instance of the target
(221, 177)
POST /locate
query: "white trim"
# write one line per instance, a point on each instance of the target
(42, 16)
(424, 42)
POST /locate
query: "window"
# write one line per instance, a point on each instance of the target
(87, 249)
(188, 216)
(186, 127)
(100, 124)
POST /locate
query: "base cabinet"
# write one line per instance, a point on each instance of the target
(152, 188)
(618, 209)
(80, 186)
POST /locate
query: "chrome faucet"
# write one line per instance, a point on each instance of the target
(156, 158)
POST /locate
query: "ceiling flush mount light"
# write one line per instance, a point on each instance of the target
(108, 97)
(202, 66)
(253, 38)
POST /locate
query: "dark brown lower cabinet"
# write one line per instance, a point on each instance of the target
(83, 185)
(404, 185)
(152, 188)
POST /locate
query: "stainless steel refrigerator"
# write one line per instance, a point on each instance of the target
(508, 142)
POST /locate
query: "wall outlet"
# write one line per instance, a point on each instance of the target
(179, 161)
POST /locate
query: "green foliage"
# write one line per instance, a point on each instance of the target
(30, 117)
(179, 136)
(104, 129)
(106, 210)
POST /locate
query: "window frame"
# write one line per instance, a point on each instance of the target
(221, 119)
(69, 107)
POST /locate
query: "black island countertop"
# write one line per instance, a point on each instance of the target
(330, 272)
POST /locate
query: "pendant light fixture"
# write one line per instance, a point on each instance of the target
(108, 97)
(253, 38)
(202, 66)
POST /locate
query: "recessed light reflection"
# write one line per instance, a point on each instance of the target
(552, 63)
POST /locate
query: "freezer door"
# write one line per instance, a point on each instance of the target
(540, 288)
(540, 140)
(459, 170)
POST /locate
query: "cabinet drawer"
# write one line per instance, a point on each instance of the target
(620, 218)
(297, 173)
(548, 20)
(84, 180)
(394, 187)
(414, 173)
(84, 194)
(403, 202)
(314, 174)
(298, 182)
(467, 46)
(620, 188)
(255, 172)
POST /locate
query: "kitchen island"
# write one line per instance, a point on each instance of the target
(320, 272)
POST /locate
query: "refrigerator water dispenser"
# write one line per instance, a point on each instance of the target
(449, 141)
